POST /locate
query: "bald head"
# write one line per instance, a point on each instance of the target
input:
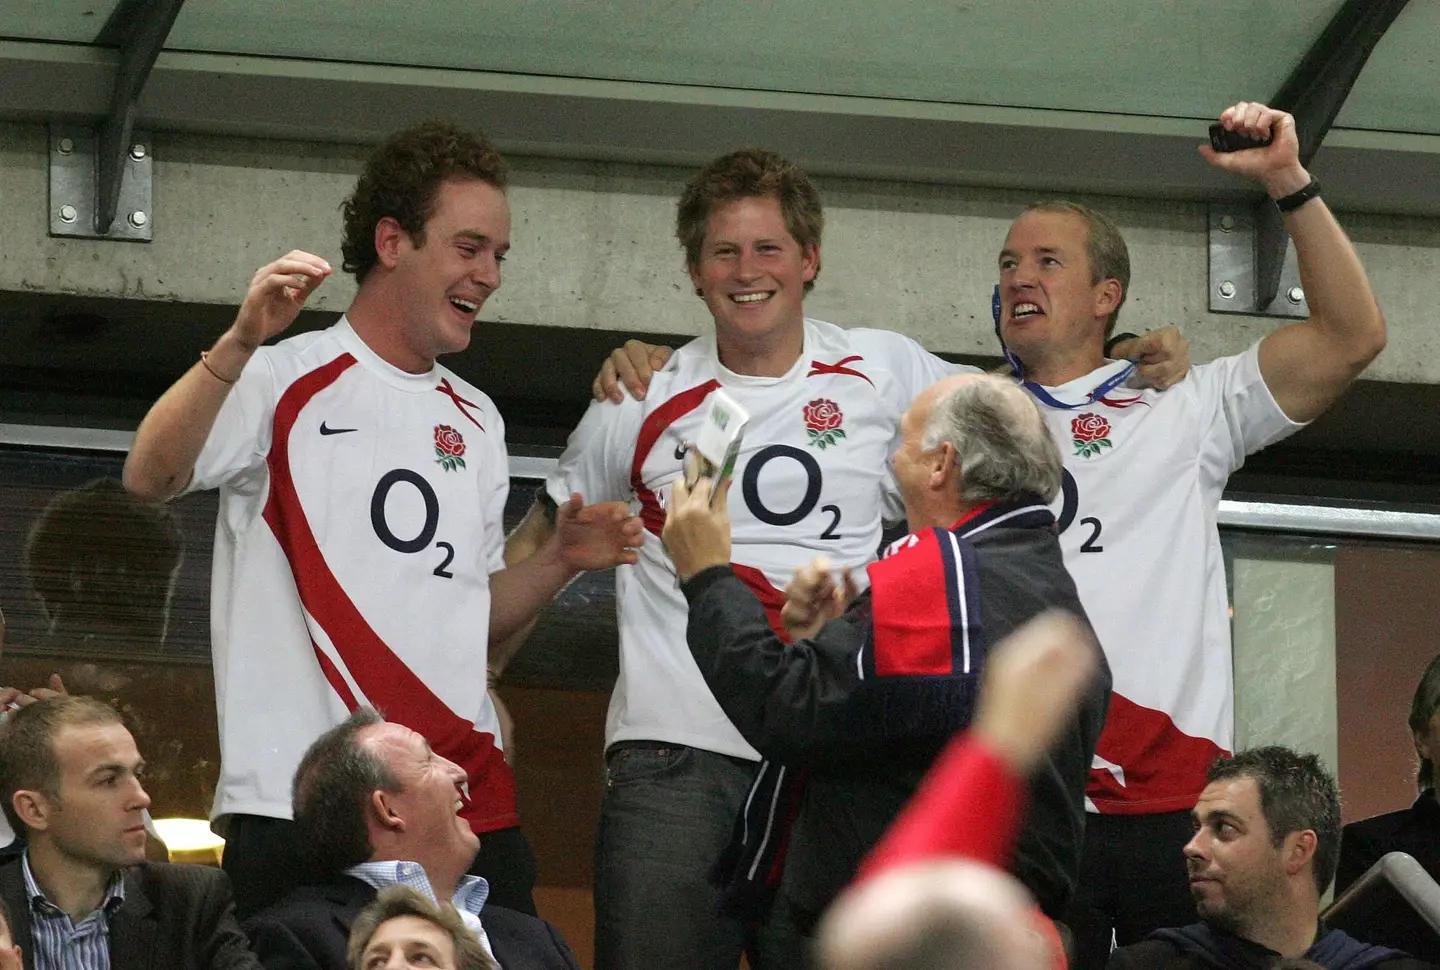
(942, 915)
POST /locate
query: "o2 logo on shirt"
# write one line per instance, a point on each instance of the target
(750, 490)
(1069, 506)
(422, 539)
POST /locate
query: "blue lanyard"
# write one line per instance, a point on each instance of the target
(1040, 393)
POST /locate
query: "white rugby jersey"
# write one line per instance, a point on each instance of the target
(361, 514)
(812, 478)
(1144, 472)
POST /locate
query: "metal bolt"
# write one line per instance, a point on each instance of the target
(1227, 223)
(68, 213)
(66, 146)
(138, 219)
(1295, 295)
(1227, 290)
(137, 151)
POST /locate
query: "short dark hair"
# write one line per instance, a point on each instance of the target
(402, 900)
(1296, 793)
(1423, 708)
(332, 786)
(402, 180)
(1105, 249)
(27, 746)
(749, 174)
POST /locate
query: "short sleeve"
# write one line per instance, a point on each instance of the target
(1239, 416)
(596, 461)
(913, 367)
(239, 440)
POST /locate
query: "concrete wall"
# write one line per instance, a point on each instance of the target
(593, 247)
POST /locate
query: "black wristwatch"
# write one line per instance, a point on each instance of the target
(1295, 200)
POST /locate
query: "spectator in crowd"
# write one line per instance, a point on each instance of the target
(362, 490)
(11, 957)
(14, 698)
(81, 896)
(403, 928)
(377, 806)
(1415, 830)
(1064, 274)
(868, 692)
(1266, 842)
(933, 892)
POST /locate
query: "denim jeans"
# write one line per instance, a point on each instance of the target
(668, 813)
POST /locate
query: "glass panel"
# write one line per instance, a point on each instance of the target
(1397, 91)
(72, 21)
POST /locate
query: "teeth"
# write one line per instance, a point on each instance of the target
(1024, 310)
(751, 297)
(465, 305)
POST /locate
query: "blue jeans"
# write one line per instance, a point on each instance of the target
(667, 815)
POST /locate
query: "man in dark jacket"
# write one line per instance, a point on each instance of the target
(1267, 837)
(868, 691)
(378, 807)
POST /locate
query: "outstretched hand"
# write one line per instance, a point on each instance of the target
(597, 536)
(696, 534)
(1276, 166)
(1033, 683)
(277, 292)
(813, 598)
(629, 368)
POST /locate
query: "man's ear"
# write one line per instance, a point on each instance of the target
(381, 809)
(944, 468)
(34, 808)
(1108, 294)
(389, 238)
(1299, 850)
(1422, 746)
(810, 262)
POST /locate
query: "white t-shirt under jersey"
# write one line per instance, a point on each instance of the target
(361, 514)
(812, 479)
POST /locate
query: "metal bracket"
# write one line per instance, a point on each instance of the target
(75, 188)
(1243, 254)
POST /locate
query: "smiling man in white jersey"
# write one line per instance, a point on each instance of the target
(1145, 472)
(362, 491)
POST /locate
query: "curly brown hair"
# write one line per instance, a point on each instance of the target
(747, 174)
(402, 179)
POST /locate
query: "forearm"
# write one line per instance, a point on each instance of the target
(173, 433)
(785, 699)
(1342, 304)
(518, 592)
(534, 531)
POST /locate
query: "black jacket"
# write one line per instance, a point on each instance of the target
(310, 930)
(868, 742)
(1416, 831)
(1199, 947)
(173, 916)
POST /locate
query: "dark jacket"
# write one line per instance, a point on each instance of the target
(1415, 831)
(1200, 947)
(867, 741)
(310, 930)
(173, 916)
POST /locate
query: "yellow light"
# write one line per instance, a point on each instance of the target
(190, 840)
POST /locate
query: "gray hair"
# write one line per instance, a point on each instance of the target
(1004, 450)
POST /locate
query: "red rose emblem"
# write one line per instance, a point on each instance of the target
(448, 441)
(822, 415)
(1090, 427)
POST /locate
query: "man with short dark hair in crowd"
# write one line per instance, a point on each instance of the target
(867, 693)
(81, 896)
(404, 928)
(376, 806)
(1266, 843)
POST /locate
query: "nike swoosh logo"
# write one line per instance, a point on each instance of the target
(680, 450)
(328, 430)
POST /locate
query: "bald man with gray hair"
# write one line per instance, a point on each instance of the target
(882, 668)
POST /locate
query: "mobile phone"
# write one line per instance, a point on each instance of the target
(717, 445)
(1224, 140)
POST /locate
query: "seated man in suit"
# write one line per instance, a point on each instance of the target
(1267, 836)
(404, 927)
(81, 894)
(378, 807)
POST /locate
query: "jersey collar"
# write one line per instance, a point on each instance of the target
(381, 368)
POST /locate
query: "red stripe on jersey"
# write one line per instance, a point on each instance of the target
(1161, 768)
(818, 368)
(1122, 403)
(333, 675)
(771, 598)
(651, 514)
(911, 603)
(444, 387)
(383, 677)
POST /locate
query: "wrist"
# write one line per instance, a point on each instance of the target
(227, 358)
(1286, 182)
